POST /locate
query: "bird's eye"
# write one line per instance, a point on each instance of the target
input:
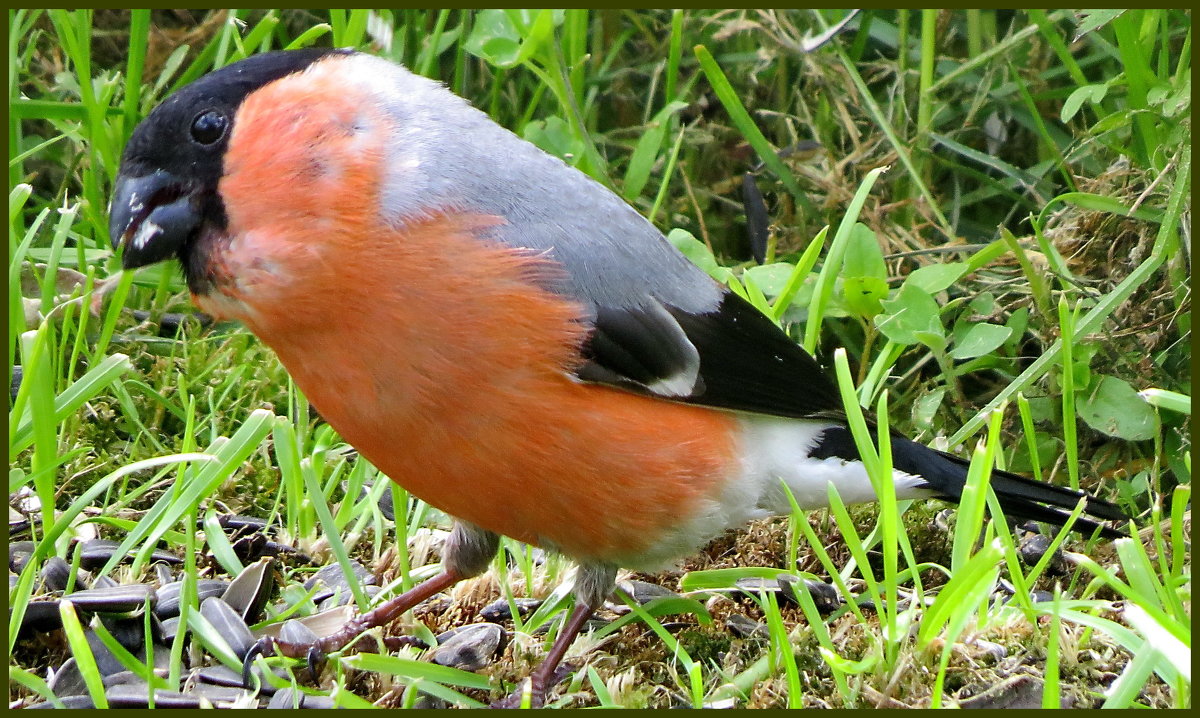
(209, 127)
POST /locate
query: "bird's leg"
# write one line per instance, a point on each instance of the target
(593, 583)
(467, 552)
(381, 615)
(542, 677)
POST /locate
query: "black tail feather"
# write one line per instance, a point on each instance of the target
(1054, 516)
(946, 475)
(1019, 496)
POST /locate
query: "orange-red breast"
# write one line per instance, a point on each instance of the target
(498, 333)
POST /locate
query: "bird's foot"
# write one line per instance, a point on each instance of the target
(536, 687)
(313, 656)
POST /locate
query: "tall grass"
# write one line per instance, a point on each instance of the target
(1038, 186)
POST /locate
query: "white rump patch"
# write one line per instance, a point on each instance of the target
(774, 451)
(779, 450)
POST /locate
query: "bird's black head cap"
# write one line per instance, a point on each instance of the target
(187, 134)
(166, 191)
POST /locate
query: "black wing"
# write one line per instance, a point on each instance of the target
(733, 357)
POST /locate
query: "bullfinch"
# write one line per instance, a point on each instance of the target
(495, 331)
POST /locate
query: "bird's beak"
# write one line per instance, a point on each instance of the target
(153, 216)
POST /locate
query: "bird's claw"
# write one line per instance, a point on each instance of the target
(516, 699)
(264, 646)
(314, 659)
(537, 686)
